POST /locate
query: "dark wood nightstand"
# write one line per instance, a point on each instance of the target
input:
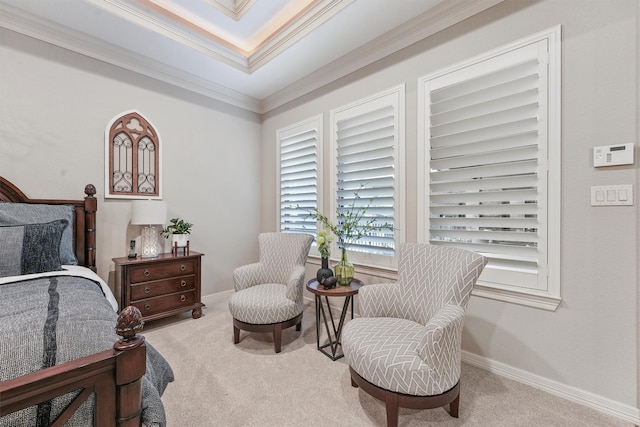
(162, 286)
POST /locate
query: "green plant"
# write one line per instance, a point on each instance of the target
(324, 243)
(352, 223)
(177, 226)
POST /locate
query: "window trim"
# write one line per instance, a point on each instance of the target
(550, 298)
(374, 261)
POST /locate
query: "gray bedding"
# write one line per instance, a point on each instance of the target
(52, 320)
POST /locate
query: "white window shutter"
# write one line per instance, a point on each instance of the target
(487, 144)
(298, 178)
(367, 138)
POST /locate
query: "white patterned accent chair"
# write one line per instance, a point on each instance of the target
(268, 294)
(405, 348)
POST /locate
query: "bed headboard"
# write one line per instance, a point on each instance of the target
(84, 218)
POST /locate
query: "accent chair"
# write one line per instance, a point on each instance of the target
(268, 294)
(405, 348)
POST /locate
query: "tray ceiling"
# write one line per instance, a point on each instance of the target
(255, 54)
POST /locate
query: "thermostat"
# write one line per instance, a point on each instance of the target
(613, 155)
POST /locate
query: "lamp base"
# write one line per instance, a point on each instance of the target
(150, 245)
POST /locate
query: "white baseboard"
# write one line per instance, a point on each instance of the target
(211, 298)
(591, 400)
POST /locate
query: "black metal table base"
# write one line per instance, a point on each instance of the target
(330, 348)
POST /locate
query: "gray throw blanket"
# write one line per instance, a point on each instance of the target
(52, 320)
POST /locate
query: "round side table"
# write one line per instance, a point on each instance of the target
(348, 292)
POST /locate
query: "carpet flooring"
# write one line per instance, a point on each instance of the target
(221, 384)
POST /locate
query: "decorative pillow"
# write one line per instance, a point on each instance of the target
(31, 248)
(27, 213)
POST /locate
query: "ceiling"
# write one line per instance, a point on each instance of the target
(255, 54)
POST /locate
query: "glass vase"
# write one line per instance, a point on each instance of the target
(343, 270)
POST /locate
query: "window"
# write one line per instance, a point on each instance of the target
(132, 157)
(367, 139)
(491, 146)
(298, 177)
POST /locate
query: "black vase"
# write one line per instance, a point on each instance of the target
(324, 272)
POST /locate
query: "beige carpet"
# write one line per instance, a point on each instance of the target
(222, 384)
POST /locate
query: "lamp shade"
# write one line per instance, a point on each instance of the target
(148, 212)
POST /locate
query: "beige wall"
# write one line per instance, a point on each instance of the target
(590, 343)
(219, 172)
(54, 110)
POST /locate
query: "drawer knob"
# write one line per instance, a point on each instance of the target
(183, 267)
(183, 283)
(147, 273)
(147, 289)
(183, 298)
(147, 306)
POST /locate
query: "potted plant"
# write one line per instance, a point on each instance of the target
(351, 225)
(179, 229)
(324, 247)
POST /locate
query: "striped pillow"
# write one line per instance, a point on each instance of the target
(31, 248)
(28, 213)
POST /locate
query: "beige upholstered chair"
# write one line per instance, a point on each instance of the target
(268, 295)
(405, 349)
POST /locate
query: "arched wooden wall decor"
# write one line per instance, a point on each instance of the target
(132, 158)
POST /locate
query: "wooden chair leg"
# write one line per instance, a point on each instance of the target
(277, 337)
(454, 407)
(391, 400)
(299, 327)
(236, 335)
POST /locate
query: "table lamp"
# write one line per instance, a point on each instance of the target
(149, 213)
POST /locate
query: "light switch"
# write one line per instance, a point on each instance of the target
(612, 195)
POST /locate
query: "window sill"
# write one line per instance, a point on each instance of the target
(529, 298)
(361, 269)
(522, 297)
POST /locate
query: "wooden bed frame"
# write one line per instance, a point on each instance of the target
(114, 376)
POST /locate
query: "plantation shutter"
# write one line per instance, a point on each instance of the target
(366, 146)
(299, 178)
(488, 180)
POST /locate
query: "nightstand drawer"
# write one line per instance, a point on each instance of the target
(145, 273)
(155, 305)
(162, 287)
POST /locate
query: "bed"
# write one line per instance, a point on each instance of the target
(66, 356)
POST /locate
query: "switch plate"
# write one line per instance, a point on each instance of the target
(612, 195)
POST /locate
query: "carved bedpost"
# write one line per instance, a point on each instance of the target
(130, 367)
(90, 208)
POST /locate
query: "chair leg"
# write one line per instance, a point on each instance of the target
(353, 381)
(391, 400)
(277, 337)
(299, 326)
(236, 334)
(454, 406)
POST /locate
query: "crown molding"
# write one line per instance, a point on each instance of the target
(177, 29)
(234, 9)
(301, 25)
(196, 39)
(29, 25)
(444, 15)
